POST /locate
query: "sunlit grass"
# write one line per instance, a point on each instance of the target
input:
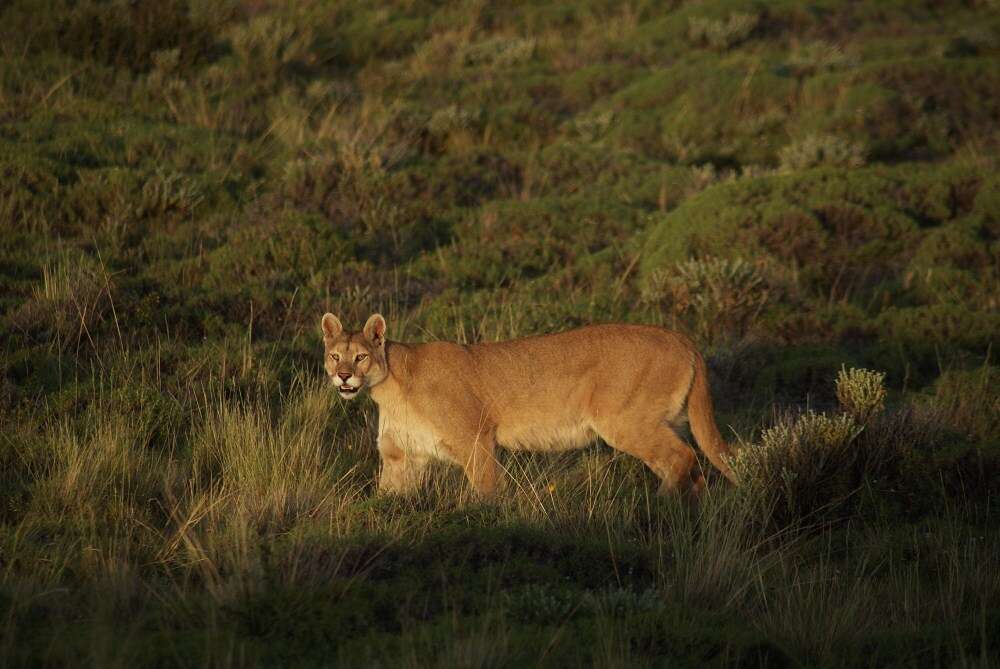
(268, 496)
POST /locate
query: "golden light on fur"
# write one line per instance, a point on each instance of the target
(629, 385)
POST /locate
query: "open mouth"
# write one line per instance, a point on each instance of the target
(348, 391)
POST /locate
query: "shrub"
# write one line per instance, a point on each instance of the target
(722, 35)
(827, 150)
(721, 296)
(846, 233)
(703, 109)
(812, 466)
(166, 193)
(592, 126)
(449, 119)
(970, 401)
(818, 56)
(125, 34)
(802, 464)
(861, 393)
(923, 332)
(267, 44)
(953, 264)
(539, 603)
(499, 50)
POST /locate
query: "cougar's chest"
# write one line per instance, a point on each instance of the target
(409, 430)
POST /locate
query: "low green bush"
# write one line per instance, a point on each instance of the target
(722, 35)
(723, 296)
(861, 393)
(821, 150)
(802, 466)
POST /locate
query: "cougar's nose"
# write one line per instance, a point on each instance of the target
(344, 375)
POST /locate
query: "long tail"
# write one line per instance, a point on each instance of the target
(701, 417)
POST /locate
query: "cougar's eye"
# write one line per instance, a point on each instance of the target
(360, 357)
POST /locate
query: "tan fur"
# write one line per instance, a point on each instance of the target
(627, 384)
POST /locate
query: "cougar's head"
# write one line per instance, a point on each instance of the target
(354, 360)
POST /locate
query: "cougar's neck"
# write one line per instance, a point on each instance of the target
(396, 358)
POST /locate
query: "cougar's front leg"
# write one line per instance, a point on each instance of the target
(481, 467)
(402, 473)
(469, 438)
(476, 453)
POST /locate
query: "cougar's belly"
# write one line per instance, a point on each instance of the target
(554, 436)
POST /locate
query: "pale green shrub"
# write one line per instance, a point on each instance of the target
(448, 119)
(166, 66)
(721, 296)
(167, 193)
(861, 393)
(706, 175)
(499, 51)
(592, 126)
(311, 180)
(800, 464)
(811, 429)
(817, 56)
(722, 35)
(542, 602)
(268, 43)
(825, 150)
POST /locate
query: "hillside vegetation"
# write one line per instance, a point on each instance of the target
(808, 189)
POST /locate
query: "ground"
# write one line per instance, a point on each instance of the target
(809, 190)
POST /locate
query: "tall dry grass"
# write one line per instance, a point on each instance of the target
(265, 496)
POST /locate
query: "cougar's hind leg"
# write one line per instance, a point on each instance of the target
(664, 452)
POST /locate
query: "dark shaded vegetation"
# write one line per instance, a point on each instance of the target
(805, 188)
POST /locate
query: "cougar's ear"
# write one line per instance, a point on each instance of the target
(375, 329)
(331, 326)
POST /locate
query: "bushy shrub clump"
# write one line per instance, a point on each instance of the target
(861, 393)
(817, 150)
(719, 297)
(116, 32)
(498, 51)
(722, 35)
(860, 240)
(802, 465)
(818, 56)
(811, 466)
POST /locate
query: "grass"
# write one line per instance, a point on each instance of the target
(263, 544)
(809, 191)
